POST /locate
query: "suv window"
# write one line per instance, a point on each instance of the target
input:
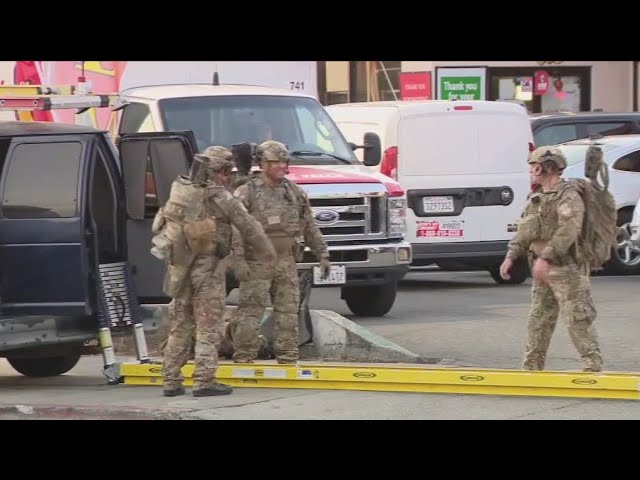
(609, 128)
(28, 193)
(554, 134)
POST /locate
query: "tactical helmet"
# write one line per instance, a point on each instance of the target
(217, 158)
(205, 165)
(544, 153)
(272, 151)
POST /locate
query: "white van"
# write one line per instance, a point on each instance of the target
(463, 167)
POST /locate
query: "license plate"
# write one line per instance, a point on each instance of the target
(437, 204)
(338, 276)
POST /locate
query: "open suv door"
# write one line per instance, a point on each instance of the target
(150, 162)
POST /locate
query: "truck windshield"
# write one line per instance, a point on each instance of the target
(299, 122)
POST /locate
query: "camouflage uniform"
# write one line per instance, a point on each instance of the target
(238, 179)
(285, 214)
(199, 295)
(549, 229)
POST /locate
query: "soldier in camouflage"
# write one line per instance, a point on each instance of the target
(205, 212)
(548, 233)
(284, 211)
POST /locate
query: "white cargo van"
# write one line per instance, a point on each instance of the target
(463, 166)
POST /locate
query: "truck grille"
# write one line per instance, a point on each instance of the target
(361, 217)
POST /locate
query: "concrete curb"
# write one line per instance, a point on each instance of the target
(335, 338)
(79, 412)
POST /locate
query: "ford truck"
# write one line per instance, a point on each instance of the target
(361, 213)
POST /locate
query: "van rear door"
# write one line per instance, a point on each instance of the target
(44, 239)
(457, 163)
(150, 162)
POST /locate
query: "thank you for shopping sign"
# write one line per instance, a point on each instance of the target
(461, 83)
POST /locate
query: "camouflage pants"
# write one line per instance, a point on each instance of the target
(198, 312)
(566, 295)
(284, 292)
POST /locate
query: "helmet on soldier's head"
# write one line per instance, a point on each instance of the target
(272, 151)
(207, 164)
(543, 154)
(217, 158)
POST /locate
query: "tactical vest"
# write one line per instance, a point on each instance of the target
(542, 221)
(277, 209)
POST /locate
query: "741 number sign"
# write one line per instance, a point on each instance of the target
(296, 85)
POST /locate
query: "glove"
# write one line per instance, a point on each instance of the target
(325, 267)
(241, 270)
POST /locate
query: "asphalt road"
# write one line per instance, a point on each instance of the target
(467, 317)
(464, 317)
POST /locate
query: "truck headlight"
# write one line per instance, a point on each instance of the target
(397, 217)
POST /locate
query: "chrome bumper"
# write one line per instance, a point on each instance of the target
(367, 255)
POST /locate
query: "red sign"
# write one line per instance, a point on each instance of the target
(437, 229)
(415, 85)
(540, 82)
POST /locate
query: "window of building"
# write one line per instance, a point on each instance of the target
(374, 81)
(569, 89)
(30, 194)
(563, 95)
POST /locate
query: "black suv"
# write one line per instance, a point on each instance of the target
(554, 128)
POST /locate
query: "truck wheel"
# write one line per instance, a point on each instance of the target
(45, 366)
(373, 301)
(519, 273)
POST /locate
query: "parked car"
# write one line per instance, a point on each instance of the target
(622, 155)
(551, 129)
(630, 234)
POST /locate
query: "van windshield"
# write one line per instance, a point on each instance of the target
(299, 122)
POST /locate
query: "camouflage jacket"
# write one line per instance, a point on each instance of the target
(283, 211)
(238, 179)
(552, 218)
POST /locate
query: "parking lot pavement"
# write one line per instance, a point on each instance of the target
(460, 316)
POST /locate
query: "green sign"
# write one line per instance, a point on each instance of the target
(460, 88)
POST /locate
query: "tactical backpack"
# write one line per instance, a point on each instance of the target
(182, 231)
(599, 226)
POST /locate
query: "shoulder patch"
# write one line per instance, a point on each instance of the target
(565, 211)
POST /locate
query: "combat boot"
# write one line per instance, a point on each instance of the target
(287, 361)
(215, 389)
(173, 392)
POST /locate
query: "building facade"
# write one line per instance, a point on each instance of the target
(542, 86)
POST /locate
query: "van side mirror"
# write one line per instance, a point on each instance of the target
(372, 149)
